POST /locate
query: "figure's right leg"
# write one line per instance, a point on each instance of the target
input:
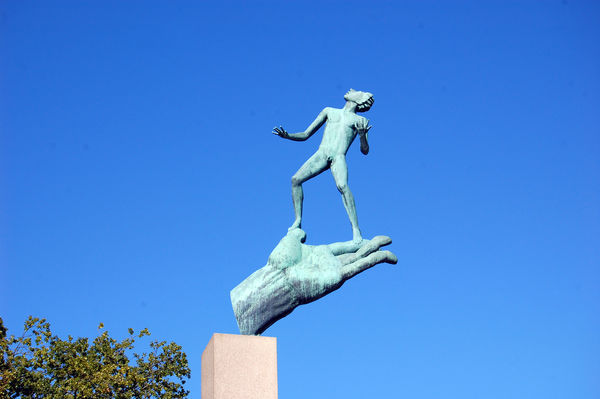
(312, 167)
(339, 170)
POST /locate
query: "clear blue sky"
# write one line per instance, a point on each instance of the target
(140, 183)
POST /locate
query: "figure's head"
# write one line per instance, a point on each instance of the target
(362, 99)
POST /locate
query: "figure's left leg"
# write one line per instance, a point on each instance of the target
(311, 168)
(339, 169)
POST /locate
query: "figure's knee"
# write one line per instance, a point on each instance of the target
(343, 188)
(297, 181)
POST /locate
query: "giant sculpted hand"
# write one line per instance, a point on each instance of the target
(297, 274)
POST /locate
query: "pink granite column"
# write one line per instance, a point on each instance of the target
(239, 367)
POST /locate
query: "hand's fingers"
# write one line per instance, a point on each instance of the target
(352, 269)
(390, 257)
(381, 241)
(371, 246)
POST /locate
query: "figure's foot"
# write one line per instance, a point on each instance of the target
(357, 237)
(297, 224)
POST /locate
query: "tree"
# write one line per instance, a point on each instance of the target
(41, 365)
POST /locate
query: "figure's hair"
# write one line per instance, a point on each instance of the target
(365, 105)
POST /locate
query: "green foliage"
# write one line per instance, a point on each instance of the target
(40, 365)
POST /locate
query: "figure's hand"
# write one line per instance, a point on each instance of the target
(363, 126)
(280, 131)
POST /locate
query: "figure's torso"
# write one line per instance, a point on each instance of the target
(340, 131)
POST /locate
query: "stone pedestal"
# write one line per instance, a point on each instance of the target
(239, 367)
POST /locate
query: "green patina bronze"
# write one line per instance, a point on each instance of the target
(340, 131)
(296, 273)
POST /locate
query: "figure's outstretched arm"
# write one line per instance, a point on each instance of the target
(312, 129)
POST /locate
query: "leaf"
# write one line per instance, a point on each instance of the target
(51, 367)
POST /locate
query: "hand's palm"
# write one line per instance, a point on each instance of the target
(363, 126)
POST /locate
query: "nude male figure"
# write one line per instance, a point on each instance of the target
(340, 131)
